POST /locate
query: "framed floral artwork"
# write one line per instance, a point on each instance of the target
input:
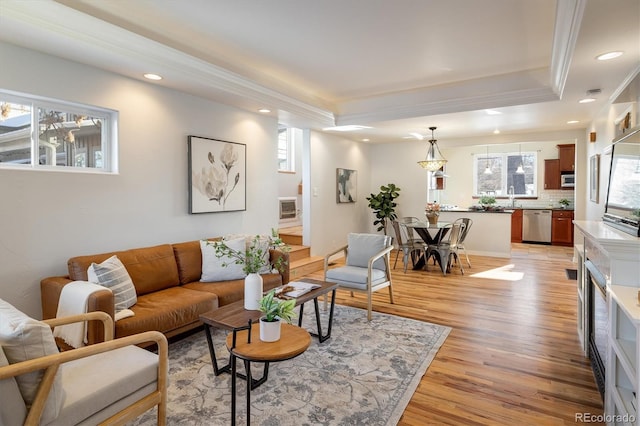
(217, 175)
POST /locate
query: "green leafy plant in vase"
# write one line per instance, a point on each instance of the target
(487, 201)
(254, 260)
(564, 203)
(275, 311)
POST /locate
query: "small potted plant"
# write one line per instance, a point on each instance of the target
(487, 202)
(564, 203)
(275, 311)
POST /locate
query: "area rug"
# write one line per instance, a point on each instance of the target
(572, 274)
(366, 373)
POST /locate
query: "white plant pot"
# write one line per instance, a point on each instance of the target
(252, 292)
(269, 331)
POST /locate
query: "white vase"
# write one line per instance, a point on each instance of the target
(252, 292)
(269, 330)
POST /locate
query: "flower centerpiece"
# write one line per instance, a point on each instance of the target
(254, 260)
(432, 211)
(275, 311)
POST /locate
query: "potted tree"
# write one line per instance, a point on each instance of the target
(383, 205)
(254, 260)
(275, 311)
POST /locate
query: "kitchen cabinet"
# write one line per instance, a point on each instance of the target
(566, 157)
(562, 228)
(516, 226)
(552, 174)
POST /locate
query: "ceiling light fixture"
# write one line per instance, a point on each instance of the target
(434, 160)
(590, 96)
(492, 112)
(264, 110)
(345, 128)
(520, 169)
(151, 76)
(487, 169)
(573, 122)
(609, 55)
(496, 132)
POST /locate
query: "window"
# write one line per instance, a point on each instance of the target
(285, 149)
(504, 174)
(39, 133)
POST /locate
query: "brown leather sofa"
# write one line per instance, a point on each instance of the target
(169, 292)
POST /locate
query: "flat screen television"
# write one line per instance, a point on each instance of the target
(622, 209)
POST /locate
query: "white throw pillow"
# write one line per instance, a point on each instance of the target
(12, 408)
(212, 269)
(22, 338)
(112, 274)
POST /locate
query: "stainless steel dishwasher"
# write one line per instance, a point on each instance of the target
(536, 226)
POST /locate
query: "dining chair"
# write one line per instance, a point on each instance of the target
(444, 250)
(411, 237)
(467, 226)
(407, 246)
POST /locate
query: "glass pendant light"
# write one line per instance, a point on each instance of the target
(487, 169)
(434, 160)
(520, 169)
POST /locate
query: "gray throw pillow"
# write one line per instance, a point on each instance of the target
(112, 274)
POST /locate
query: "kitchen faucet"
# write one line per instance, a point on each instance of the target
(512, 196)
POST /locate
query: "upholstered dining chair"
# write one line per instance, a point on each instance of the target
(467, 226)
(447, 249)
(367, 266)
(113, 382)
(406, 245)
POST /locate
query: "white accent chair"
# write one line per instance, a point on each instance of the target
(367, 268)
(111, 382)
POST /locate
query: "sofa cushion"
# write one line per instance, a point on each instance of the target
(166, 311)
(151, 268)
(121, 372)
(12, 408)
(232, 291)
(112, 274)
(221, 268)
(22, 338)
(363, 247)
(354, 276)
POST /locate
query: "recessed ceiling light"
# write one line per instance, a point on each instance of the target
(492, 112)
(496, 132)
(572, 121)
(346, 128)
(366, 140)
(151, 76)
(417, 136)
(264, 110)
(609, 55)
(586, 100)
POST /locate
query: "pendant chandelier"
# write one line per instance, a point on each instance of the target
(520, 169)
(434, 160)
(487, 169)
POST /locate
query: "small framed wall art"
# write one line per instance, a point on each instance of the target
(217, 175)
(346, 186)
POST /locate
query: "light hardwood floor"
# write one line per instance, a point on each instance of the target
(512, 357)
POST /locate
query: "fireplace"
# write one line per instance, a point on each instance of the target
(598, 323)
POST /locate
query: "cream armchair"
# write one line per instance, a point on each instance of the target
(111, 382)
(367, 267)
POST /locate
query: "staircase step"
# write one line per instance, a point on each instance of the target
(291, 239)
(298, 252)
(302, 267)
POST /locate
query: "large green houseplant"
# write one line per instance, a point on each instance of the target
(383, 205)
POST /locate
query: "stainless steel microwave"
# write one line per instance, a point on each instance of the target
(568, 180)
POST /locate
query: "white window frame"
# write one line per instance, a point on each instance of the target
(479, 164)
(108, 132)
(289, 161)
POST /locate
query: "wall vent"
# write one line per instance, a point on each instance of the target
(288, 209)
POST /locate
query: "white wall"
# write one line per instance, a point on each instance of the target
(331, 222)
(47, 217)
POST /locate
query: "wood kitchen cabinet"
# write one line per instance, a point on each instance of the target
(552, 174)
(516, 226)
(562, 228)
(566, 157)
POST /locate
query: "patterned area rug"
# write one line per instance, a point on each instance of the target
(366, 373)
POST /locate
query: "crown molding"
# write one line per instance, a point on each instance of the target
(565, 35)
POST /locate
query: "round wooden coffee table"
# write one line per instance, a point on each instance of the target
(293, 341)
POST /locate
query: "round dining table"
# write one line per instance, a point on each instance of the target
(431, 233)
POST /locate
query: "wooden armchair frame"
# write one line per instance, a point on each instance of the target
(51, 364)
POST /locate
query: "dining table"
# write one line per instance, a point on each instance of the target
(431, 233)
